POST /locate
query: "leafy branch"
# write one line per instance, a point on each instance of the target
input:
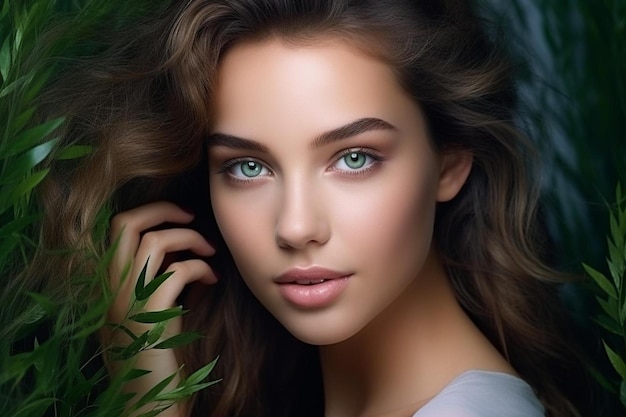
(51, 359)
(612, 298)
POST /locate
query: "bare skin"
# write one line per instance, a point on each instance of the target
(395, 336)
(134, 249)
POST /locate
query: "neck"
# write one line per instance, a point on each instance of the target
(407, 354)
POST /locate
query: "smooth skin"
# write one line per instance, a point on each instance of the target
(135, 246)
(319, 158)
(295, 184)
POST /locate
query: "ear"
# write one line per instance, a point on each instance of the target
(455, 168)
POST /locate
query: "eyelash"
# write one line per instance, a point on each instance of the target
(375, 156)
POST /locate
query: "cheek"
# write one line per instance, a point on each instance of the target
(244, 229)
(392, 220)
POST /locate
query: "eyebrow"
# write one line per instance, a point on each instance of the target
(349, 130)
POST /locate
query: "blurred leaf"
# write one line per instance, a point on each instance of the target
(601, 280)
(616, 361)
(5, 59)
(31, 137)
(74, 152)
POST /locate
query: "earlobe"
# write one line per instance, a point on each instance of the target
(455, 168)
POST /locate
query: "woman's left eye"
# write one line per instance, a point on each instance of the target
(354, 161)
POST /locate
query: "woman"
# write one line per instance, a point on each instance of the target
(366, 243)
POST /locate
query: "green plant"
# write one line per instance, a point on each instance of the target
(50, 358)
(612, 299)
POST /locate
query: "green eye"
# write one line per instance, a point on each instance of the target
(250, 168)
(355, 160)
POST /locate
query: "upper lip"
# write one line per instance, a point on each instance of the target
(312, 273)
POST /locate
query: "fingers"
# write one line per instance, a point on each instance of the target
(134, 251)
(184, 273)
(127, 227)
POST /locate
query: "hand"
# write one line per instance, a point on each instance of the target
(135, 248)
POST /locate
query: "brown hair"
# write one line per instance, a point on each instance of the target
(145, 106)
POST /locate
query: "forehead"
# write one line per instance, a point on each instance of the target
(315, 86)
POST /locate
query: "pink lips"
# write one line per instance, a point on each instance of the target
(312, 287)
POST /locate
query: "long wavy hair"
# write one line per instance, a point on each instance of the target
(146, 104)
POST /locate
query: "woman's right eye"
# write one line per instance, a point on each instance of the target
(246, 169)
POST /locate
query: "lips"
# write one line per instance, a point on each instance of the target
(310, 275)
(312, 287)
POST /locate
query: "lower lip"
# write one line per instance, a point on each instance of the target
(316, 295)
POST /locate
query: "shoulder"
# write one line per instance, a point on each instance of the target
(484, 394)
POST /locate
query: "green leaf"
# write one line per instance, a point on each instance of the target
(616, 361)
(156, 411)
(13, 86)
(22, 120)
(5, 59)
(608, 324)
(141, 282)
(132, 349)
(622, 393)
(30, 137)
(154, 391)
(601, 280)
(178, 340)
(135, 373)
(24, 188)
(156, 332)
(158, 316)
(153, 285)
(35, 408)
(184, 392)
(74, 152)
(201, 374)
(609, 306)
(48, 306)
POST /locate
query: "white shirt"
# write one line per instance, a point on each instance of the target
(484, 394)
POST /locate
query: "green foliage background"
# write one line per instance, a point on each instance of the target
(572, 62)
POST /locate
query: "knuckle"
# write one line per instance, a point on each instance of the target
(180, 268)
(121, 221)
(151, 239)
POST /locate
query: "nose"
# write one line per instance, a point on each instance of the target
(302, 219)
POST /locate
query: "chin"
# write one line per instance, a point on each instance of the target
(320, 333)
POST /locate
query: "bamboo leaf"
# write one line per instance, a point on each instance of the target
(609, 306)
(154, 391)
(178, 340)
(25, 187)
(184, 392)
(202, 373)
(30, 137)
(141, 282)
(132, 349)
(35, 408)
(135, 373)
(153, 285)
(5, 59)
(601, 280)
(74, 152)
(156, 332)
(13, 86)
(608, 324)
(22, 120)
(158, 316)
(616, 361)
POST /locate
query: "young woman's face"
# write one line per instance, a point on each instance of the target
(323, 183)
